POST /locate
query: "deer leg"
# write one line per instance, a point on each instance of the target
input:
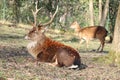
(54, 63)
(36, 62)
(101, 45)
(87, 41)
(81, 41)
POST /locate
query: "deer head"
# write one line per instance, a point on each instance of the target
(38, 30)
(74, 25)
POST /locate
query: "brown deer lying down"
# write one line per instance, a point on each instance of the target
(44, 49)
(90, 32)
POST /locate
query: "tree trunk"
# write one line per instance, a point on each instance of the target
(62, 19)
(91, 13)
(4, 10)
(16, 11)
(115, 50)
(100, 10)
(113, 8)
(104, 14)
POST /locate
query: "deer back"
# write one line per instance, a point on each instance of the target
(93, 32)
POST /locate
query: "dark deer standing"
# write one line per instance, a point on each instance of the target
(45, 49)
(91, 32)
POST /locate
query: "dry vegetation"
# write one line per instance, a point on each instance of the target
(17, 64)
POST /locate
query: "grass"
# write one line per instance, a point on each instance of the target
(17, 64)
(10, 36)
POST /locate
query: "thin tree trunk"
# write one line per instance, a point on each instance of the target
(4, 9)
(16, 11)
(100, 10)
(104, 14)
(91, 12)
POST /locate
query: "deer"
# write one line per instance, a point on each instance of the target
(89, 33)
(44, 49)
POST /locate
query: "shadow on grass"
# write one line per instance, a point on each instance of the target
(98, 52)
(8, 36)
(82, 50)
(8, 51)
(71, 40)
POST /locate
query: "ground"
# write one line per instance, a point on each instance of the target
(17, 64)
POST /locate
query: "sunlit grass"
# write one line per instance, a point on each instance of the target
(11, 36)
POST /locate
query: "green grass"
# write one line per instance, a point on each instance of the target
(12, 36)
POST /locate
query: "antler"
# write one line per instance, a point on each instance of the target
(34, 12)
(50, 21)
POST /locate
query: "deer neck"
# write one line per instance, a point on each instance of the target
(32, 44)
(38, 42)
(35, 47)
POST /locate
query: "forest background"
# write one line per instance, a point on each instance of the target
(86, 12)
